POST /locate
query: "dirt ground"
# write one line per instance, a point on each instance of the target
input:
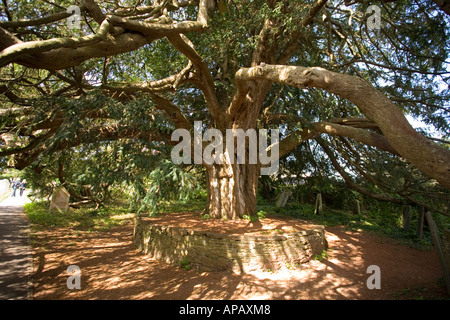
(111, 267)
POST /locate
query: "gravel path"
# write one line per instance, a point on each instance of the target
(15, 250)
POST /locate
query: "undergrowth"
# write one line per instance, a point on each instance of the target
(382, 223)
(101, 219)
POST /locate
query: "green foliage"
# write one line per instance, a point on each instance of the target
(261, 214)
(407, 59)
(83, 219)
(185, 264)
(11, 173)
(382, 218)
(321, 256)
(168, 182)
(99, 170)
(206, 217)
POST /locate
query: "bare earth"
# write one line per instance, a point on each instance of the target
(111, 267)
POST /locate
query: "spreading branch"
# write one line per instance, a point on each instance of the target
(428, 156)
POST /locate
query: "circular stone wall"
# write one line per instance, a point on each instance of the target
(213, 251)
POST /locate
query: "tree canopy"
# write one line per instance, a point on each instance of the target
(96, 105)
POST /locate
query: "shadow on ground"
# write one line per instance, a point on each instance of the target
(111, 268)
(15, 250)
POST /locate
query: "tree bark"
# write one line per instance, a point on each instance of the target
(231, 190)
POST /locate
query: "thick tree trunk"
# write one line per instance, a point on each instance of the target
(232, 190)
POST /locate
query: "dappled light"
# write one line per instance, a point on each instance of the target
(112, 268)
(195, 222)
(210, 149)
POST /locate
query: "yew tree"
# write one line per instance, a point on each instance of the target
(336, 74)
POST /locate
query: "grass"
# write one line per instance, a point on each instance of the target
(102, 219)
(381, 223)
(188, 206)
(192, 205)
(321, 256)
(185, 264)
(81, 219)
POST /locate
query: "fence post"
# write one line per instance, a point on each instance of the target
(319, 207)
(407, 218)
(280, 200)
(420, 221)
(358, 207)
(440, 249)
